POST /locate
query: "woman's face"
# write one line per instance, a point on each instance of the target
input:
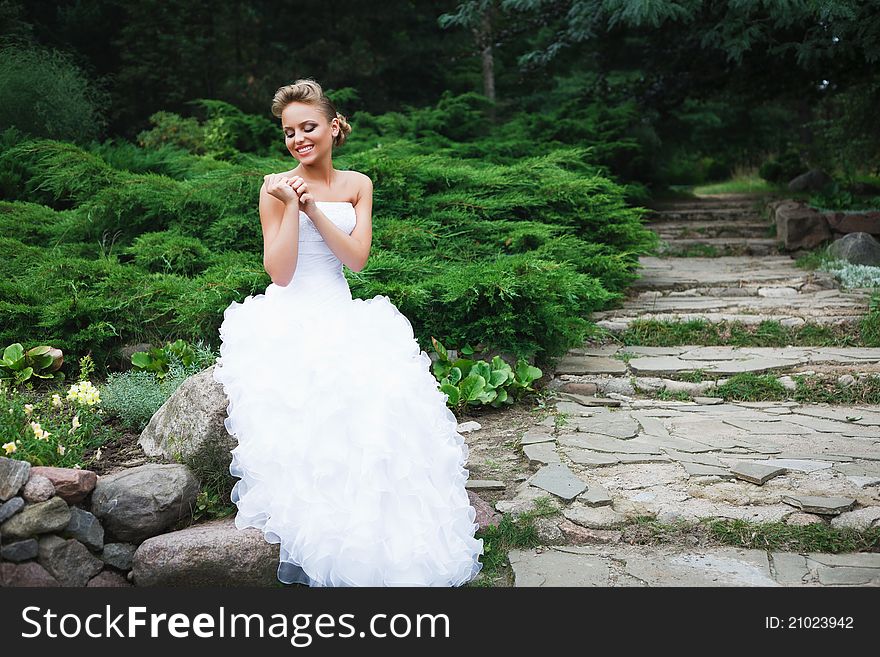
(308, 135)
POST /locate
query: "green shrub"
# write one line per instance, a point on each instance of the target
(134, 396)
(170, 252)
(33, 80)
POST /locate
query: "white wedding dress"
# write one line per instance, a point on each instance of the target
(347, 455)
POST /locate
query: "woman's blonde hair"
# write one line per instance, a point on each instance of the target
(306, 90)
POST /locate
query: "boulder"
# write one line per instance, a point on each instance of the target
(19, 551)
(866, 222)
(38, 488)
(799, 226)
(811, 181)
(191, 417)
(29, 573)
(69, 561)
(41, 518)
(85, 528)
(10, 507)
(71, 484)
(214, 553)
(857, 248)
(13, 475)
(118, 555)
(140, 502)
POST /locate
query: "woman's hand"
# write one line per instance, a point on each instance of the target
(306, 202)
(278, 185)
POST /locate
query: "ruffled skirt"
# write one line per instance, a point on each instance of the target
(347, 455)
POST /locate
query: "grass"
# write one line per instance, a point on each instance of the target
(815, 537)
(741, 183)
(769, 333)
(778, 536)
(812, 389)
(510, 533)
(751, 387)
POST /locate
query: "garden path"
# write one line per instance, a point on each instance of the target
(635, 431)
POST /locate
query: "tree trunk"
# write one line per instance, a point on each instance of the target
(483, 36)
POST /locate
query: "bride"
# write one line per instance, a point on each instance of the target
(347, 454)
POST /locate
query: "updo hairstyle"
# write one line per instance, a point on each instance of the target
(306, 90)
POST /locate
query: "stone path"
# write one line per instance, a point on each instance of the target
(613, 452)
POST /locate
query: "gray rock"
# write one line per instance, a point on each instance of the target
(702, 470)
(862, 519)
(69, 561)
(13, 475)
(811, 181)
(29, 574)
(118, 555)
(215, 553)
(857, 248)
(586, 457)
(534, 436)
(38, 488)
(548, 531)
(846, 576)
(595, 495)
(824, 505)
(10, 507)
(756, 473)
(563, 567)
(85, 528)
(140, 502)
(790, 569)
(20, 550)
(194, 417)
(541, 453)
(601, 517)
(556, 478)
(41, 518)
(484, 484)
(709, 401)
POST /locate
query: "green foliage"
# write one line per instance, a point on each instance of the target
(41, 362)
(45, 94)
(170, 252)
(789, 165)
(158, 359)
(134, 396)
(467, 381)
(47, 427)
(225, 132)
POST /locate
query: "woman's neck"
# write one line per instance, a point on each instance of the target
(323, 174)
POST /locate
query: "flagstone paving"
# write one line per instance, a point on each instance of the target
(604, 465)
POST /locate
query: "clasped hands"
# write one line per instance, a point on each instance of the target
(290, 189)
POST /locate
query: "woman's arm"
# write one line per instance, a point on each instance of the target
(280, 222)
(353, 250)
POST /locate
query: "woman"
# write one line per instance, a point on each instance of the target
(347, 455)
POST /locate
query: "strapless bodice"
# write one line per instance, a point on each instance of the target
(341, 213)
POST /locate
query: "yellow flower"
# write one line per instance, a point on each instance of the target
(98, 454)
(61, 449)
(84, 393)
(56, 400)
(9, 447)
(76, 424)
(39, 432)
(28, 409)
